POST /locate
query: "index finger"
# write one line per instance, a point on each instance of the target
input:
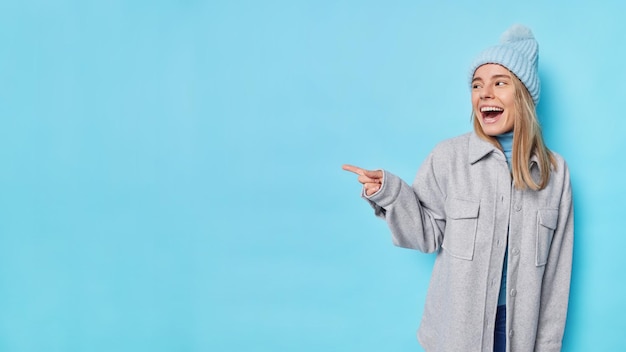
(352, 168)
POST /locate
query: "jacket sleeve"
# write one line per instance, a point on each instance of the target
(414, 223)
(556, 277)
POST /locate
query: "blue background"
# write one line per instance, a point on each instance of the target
(170, 170)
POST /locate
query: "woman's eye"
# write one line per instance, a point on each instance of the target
(500, 83)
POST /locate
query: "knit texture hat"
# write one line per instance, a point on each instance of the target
(518, 51)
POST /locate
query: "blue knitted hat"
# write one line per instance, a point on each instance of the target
(518, 52)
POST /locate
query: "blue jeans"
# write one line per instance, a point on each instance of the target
(499, 335)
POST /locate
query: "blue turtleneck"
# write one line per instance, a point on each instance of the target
(506, 141)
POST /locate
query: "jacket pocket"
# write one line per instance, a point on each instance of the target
(461, 225)
(546, 224)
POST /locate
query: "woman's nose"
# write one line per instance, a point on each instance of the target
(486, 93)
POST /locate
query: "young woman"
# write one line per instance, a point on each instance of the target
(496, 206)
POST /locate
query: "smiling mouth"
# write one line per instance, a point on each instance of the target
(491, 114)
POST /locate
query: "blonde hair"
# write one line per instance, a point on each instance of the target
(527, 141)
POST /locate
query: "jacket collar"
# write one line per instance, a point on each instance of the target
(479, 148)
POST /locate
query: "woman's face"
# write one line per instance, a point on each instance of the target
(493, 99)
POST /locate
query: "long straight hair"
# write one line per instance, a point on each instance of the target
(527, 141)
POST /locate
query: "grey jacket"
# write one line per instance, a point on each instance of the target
(462, 205)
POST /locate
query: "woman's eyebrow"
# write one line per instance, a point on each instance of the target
(500, 76)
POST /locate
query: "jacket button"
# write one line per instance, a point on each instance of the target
(511, 333)
(515, 251)
(513, 292)
(518, 207)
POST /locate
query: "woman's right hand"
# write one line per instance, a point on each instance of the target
(372, 180)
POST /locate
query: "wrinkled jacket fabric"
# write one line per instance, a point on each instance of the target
(462, 205)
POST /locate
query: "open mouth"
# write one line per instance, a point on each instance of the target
(491, 114)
